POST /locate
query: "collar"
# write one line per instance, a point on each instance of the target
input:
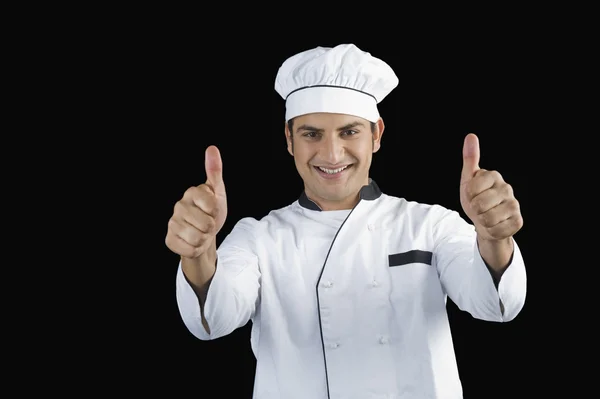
(369, 192)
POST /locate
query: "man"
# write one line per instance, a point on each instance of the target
(346, 287)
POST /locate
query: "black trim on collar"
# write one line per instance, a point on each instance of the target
(369, 192)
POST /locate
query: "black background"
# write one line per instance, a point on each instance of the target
(116, 106)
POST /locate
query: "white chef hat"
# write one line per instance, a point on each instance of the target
(342, 79)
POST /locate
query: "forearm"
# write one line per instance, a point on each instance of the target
(497, 254)
(199, 273)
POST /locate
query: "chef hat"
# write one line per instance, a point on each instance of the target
(342, 79)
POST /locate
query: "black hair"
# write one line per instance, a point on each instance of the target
(290, 124)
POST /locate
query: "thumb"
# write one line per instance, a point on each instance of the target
(214, 169)
(470, 158)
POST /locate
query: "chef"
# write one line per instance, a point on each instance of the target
(346, 287)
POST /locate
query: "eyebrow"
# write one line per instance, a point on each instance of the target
(339, 129)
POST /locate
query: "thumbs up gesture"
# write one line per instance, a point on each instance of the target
(201, 213)
(486, 198)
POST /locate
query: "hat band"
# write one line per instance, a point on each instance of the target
(331, 99)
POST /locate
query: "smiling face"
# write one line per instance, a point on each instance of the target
(333, 153)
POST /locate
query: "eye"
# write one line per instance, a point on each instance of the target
(349, 132)
(311, 135)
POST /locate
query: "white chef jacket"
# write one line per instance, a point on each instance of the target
(352, 304)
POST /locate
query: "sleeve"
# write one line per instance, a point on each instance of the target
(466, 278)
(233, 293)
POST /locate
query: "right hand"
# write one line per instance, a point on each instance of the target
(201, 213)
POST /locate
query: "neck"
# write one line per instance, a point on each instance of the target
(345, 204)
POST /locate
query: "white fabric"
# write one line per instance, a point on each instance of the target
(332, 100)
(342, 79)
(373, 331)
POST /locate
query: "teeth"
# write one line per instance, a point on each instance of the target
(332, 171)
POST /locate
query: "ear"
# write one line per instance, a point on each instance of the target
(379, 128)
(288, 140)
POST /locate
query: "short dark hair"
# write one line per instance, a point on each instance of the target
(290, 124)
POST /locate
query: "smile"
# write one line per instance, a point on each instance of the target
(333, 171)
(330, 173)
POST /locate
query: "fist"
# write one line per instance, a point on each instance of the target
(201, 213)
(486, 198)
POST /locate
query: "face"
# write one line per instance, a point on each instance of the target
(333, 154)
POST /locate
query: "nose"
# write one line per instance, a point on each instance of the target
(332, 150)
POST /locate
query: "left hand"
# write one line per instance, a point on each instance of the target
(486, 198)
